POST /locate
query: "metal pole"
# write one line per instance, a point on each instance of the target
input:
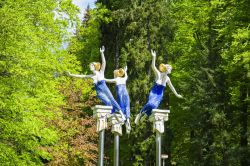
(158, 148)
(116, 149)
(101, 147)
(164, 157)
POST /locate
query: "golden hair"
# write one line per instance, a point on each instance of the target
(162, 68)
(119, 72)
(97, 66)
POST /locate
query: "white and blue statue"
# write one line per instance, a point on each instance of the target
(102, 91)
(120, 79)
(156, 92)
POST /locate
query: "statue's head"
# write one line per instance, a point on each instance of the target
(165, 68)
(95, 66)
(119, 72)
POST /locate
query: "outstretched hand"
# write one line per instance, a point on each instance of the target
(126, 68)
(153, 53)
(179, 96)
(67, 73)
(102, 49)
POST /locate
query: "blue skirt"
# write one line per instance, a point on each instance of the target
(123, 99)
(104, 94)
(154, 99)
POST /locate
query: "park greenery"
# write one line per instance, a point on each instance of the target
(46, 116)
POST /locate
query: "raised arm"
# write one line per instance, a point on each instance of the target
(103, 66)
(78, 76)
(173, 89)
(156, 71)
(126, 74)
(110, 80)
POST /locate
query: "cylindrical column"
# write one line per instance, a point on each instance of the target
(164, 157)
(158, 148)
(116, 149)
(101, 113)
(101, 147)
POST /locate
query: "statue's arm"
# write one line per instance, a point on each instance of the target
(156, 71)
(103, 66)
(78, 75)
(110, 80)
(173, 89)
(126, 74)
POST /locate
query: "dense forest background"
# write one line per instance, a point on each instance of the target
(45, 116)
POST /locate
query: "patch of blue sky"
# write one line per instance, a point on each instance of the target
(82, 4)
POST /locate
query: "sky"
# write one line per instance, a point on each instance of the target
(82, 4)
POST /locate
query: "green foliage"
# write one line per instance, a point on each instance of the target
(31, 59)
(86, 43)
(213, 125)
(207, 43)
(136, 28)
(45, 117)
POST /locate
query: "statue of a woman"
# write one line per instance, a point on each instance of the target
(156, 93)
(102, 91)
(120, 78)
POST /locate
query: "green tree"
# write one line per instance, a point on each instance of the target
(204, 34)
(207, 43)
(137, 27)
(31, 59)
(86, 42)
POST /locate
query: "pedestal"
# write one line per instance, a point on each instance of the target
(101, 113)
(117, 131)
(158, 117)
(116, 124)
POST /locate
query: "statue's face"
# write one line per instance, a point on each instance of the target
(92, 67)
(169, 69)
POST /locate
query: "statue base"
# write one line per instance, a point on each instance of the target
(158, 117)
(101, 113)
(117, 124)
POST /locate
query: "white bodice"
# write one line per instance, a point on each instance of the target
(162, 79)
(120, 80)
(98, 76)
